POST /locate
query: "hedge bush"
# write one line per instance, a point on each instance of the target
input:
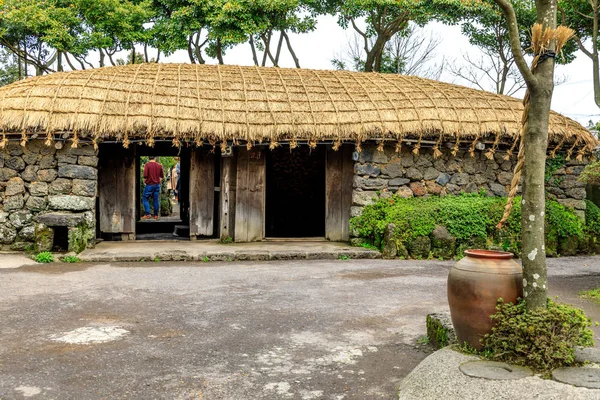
(471, 218)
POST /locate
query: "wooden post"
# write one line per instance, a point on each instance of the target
(250, 195)
(227, 199)
(338, 179)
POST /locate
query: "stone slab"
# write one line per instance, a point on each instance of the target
(493, 370)
(577, 376)
(216, 251)
(61, 219)
(587, 354)
(438, 377)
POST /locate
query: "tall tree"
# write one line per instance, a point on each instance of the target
(546, 41)
(486, 28)
(378, 21)
(582, 16)
(409, 52)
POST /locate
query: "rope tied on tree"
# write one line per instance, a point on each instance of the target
(541, 39)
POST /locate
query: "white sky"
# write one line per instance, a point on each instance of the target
(574, 98)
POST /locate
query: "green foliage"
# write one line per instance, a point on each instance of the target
(226, 240)
(562, 222)
(80, 236)
(470, 218)
(157, 259)
(70, 259)
(44, 257)
(438, 334)
(593, 294)
(591, 174)
(343, 257)
(543, 339)
(553, 165)
(206, 259)
(592, 218)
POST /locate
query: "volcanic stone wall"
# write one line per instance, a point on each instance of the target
(384, 173)
(46, 189)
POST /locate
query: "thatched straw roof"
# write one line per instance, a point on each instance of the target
(218, 103)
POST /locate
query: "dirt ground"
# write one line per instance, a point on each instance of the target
(241, 330)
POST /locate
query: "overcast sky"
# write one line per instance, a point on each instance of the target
(574, 98)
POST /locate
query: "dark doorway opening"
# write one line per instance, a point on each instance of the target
(172, 223)
(295, 203)
(60, 242)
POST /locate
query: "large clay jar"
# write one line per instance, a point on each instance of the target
(475, 284)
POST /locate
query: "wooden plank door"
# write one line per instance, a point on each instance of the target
(116, 190)
(338, 180)
(202, 193)
(250, 195)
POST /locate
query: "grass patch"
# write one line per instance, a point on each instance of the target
(45, 257)
(593, 294)
(70, 259)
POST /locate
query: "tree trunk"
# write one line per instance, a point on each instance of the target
(102, 56)
(533, 206)
(540, 84)
(535, 144)
(375, 55)
(219, 51)
(596, 66)
(290, 49)
(595, 63)
(253, 47)
(191, 51)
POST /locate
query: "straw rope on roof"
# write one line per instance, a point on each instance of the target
(257, 104)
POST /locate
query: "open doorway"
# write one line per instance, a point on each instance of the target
(167, 220)
(295, 192)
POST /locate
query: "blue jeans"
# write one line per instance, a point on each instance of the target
(154, 191)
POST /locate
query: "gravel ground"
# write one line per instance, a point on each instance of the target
(241, 330)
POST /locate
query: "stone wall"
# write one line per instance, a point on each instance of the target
(383, 173)
(42, 188)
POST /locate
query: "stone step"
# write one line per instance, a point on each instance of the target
(440, 330)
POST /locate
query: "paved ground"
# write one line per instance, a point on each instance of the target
(249, 330)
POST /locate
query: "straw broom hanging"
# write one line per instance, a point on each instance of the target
(541, 39)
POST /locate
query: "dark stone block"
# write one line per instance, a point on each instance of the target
(61, 219)
(398, 182)
(46, 175)
(443, 179)
(419, 247)
(15, 163)
(443, 243)
(77, 172)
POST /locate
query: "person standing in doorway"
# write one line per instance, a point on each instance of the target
(153, 175)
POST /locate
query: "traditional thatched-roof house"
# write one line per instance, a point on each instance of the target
(234, 128)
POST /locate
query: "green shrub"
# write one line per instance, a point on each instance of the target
(592, 218)
(591, 174)
(70, 259)
(471, 218)
(44, 257)
(543, 339)
(226, 240)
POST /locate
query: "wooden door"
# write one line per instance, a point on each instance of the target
(250, 195)
(116, 190)
(338, 180)
(202, 193)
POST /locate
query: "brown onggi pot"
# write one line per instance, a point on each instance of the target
(475, 284)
